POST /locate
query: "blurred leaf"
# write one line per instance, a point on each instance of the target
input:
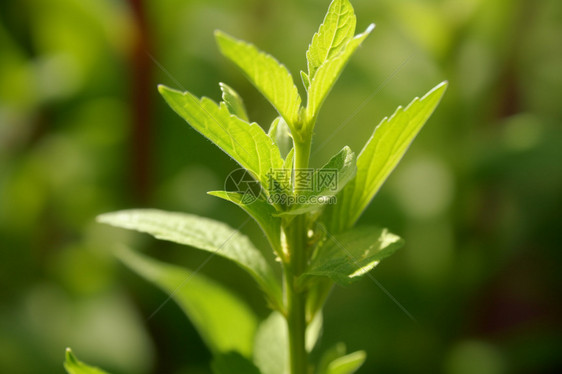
(233, 363)
(233, 102)
(224, 322)
(326, 182)
(379, 157)
(262, 212)
(327, 75)
(203, 233)
(328, 356)
(281, 135)
(348, 256)
(270, 77)
(75, 366)
(347, 364)
(333, 35)
(246, 143)
(270, 348)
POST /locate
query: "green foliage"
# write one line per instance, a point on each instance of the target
(223, 320)
(75, 366)
(379, 157)
(311, 233)
(348, 256)
(201, 233)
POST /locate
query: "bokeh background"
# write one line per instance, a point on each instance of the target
(478, 197)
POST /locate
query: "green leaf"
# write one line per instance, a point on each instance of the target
(347, 364)
(270, 349)
(203, 233)
(233, 363)
(270, 77)
(224, 322)
(327, 75)
(330, 355)
(305, 80)
(233, 102)
(246, 143)
(281, 135)
(322, 184)
(379, 157)
(348, 256)
(332, 37)
(262, 212)
(75, 366)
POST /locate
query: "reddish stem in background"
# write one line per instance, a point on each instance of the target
(140, 66)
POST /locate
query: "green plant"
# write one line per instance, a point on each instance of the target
(311, 230)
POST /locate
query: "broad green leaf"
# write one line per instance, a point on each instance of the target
(75, 366)
(246, 143)
(270, 77)
(233, 363)
(332, 37)
(316, 188)
(379, 157)
(262, 212)
(270, 348)
(203, 233)
(281, 135)
(348, 256)
(233, 102)
(327, 75)
(347, 364)
(224, 322)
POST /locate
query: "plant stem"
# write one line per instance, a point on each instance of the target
(295, 297)
(296, 239)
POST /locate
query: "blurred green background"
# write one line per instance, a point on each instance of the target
(478, 197)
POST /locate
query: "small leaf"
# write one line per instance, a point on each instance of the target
(246, 143)
(202, 233)
(270, 348)
(347, 364)
(379, 157)
(327, 75)
(75, 366)
(270, 77)
(233, 363)
(305, 80)
(233, 102)
(224, 322)
(316, 188)
(281, 135)
(330, 355)
(332, 37)
(262, 212)
(348, 256)
(313, 331)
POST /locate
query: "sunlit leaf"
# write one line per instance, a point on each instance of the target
(379, 157)
(202, 233)
(233, 102)
(246, 143)
(348, 256)
(327, 75)
(75, 366)
(270, 77)
(224, 322)
(281, 135)
(333, 35)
